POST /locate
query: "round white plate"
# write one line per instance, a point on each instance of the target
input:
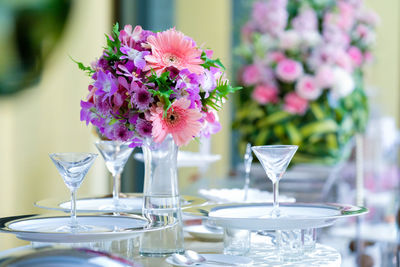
(227, 260)
(236, 195)
(42, 228)
(130, 203)
(255, 216)
(83, 257)
(203, 233)
(189, 159)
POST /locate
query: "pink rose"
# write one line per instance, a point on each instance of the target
(251, 75)
(307, 88)
(356, 56)
(265, 93)
(324, 76)
(343, 60)
(295, 104)
(275, 57)
(289, 70)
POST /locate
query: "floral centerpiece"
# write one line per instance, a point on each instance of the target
(150, 85)
(158, 91)
(303, 75)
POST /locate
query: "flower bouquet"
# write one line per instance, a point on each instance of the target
(158, 91)
(150, 85)
(303, 77)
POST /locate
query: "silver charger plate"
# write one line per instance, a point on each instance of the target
(131, 203)
(65, 257)
(42, 228)
(255, 216)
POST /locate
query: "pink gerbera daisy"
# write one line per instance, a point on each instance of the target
(172, 49)
(181, 122)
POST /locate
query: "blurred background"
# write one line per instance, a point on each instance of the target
(41, 88)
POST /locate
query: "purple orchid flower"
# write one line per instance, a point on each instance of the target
(136, 56)
(106, 84)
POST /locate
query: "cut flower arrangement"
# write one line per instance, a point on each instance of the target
(303, 75)
(150, 85)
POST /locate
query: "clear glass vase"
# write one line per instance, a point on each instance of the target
(161, 203)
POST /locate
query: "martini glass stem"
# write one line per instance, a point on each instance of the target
(74, 222)
(246, 185)
(116, 188)
(275, 188)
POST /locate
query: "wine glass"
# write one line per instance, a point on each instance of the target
(73, 168)
(275, 159)
(115, 154)
(248, 158)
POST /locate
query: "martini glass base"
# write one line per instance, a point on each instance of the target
(78, 229)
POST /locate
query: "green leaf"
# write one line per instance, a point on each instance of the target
(274, 118)
(89, 71)
(319, 127)
(208, 62)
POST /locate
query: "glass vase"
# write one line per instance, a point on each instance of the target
(161, 203)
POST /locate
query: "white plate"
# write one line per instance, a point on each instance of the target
(130, 203)
(42, 228)
(65, 257)
(226, 195)
(255, 216)
(203, 233)
(189, 159)
(228, 260)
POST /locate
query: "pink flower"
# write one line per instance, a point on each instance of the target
(251, 74)
(172, 49)
(211, 125)
(129, 37)
(289, 70)
(295, 104)
(307, 88)
(346, 18)
(270, 17)
(306, 21)
(181, 122)
(275, 57)
(324, 76)
(264, 94)
(356, 56)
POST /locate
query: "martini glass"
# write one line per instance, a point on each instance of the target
(275, 159)
(115, 154)
(73, 168)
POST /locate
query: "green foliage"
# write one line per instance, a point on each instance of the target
(208, 62)
(322, 133)
(218, 95)
(89, 71)
(112, 50)
(164, 91)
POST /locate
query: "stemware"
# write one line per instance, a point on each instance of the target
(275, 159)
(73, 168)
(115, 154)
(248, 158)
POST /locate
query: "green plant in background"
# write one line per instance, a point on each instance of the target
(302, 76)
(28, 32)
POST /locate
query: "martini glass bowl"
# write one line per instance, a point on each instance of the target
(275, 159)
(115, 154)
(73, 168)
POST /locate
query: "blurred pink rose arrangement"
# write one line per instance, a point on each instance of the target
(302, 69)
(150, 85)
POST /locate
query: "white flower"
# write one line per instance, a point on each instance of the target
(343, 83)
(311, 38)
(289, 40)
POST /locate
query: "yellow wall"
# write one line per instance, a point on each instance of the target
(384, 74)
(208, 22)
(45, 119)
